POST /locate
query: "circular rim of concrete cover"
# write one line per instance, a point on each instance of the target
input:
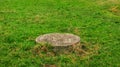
(67, 35)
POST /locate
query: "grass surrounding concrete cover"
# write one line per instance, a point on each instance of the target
(97, 22)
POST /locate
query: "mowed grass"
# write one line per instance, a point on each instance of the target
(97, 22)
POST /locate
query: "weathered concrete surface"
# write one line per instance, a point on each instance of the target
(58, 39)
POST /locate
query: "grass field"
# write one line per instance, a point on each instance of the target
(97, 22)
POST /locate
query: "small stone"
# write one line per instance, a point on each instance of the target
(58, 39)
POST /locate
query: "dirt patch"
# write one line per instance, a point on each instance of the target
(115, 10)
(84, 50)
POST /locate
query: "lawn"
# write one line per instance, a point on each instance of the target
(96, 22)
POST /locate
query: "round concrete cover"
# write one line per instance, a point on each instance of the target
(58, 39)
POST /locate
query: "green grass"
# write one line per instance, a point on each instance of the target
(97, 22)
